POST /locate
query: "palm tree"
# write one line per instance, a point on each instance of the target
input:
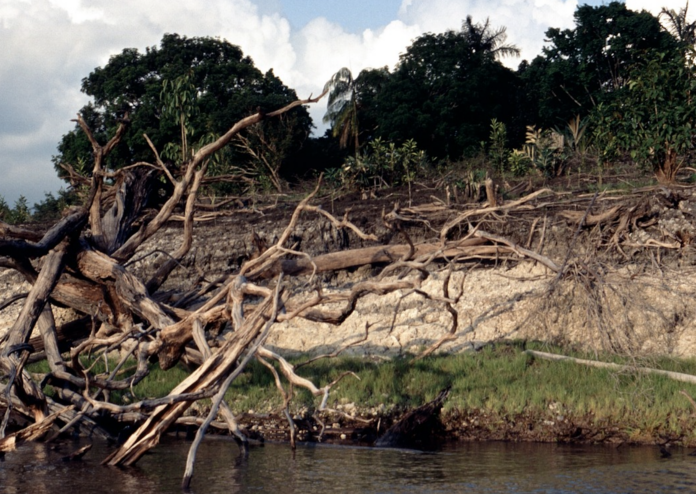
(483, 38)
(683, 31)
(342, 108)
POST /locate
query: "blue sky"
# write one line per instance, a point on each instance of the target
(50, 45)
(354, 15)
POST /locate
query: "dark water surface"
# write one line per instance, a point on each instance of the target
(481, 467)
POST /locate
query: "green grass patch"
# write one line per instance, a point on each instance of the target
(501, 379)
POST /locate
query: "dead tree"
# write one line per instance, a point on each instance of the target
(80, 263)
(83, 263)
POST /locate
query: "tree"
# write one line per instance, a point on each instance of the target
(51, 208)
(445, 91)
(207, 82)
(369, 86)
(342, 108)
(484, 38)
(654, 117)
(20, 212)
(5, 210)
(587, 65)
(679, 27)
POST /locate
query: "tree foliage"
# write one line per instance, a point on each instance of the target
(444, 86)
(205, 83)
(442, 95)
(653, 121)
(588, 65)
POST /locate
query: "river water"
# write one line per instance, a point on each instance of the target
(273, 468)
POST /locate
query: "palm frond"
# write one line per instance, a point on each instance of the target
(342, 108)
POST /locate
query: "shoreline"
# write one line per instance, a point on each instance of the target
(452, 427)
(501, 393)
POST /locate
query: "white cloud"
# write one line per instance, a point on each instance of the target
(654, 7)
(526, 20)
(50, 45)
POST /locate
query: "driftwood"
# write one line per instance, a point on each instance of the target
(30, 433)
(85, 263)
(78, 455)
(677, 376)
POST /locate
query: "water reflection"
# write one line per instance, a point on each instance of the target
(471, 467)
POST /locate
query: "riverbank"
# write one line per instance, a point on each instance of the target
(612, 273)
(498, 393)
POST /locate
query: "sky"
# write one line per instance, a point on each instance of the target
(48, 46)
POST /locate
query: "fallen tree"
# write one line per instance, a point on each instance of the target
(84, 263)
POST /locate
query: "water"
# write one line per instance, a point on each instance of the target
(471, 468)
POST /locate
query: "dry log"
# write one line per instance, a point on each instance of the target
(31, 433)
(379, 254)
(26, 249)
(20, 332)
(102, 269)
(607, 216)
(677, 376)
(208, 376)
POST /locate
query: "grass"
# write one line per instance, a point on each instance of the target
(501, 380)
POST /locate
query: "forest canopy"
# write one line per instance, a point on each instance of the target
(449, 97)
(199, 86)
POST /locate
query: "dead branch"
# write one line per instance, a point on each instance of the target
(579, 217)
(32, 433)
(491, 209)
(677, 376)
(519, 250)
(223, 389)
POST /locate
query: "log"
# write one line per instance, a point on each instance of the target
(677, 376)
(379, 254)
(31, 433)
(213, 371)
(592, 219)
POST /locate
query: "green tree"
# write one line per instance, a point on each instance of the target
(4, 210)
(369, 86)
(179, 102)
(222, 86)
(654, 118)
(20, 213)
(51, 207)
(445, 91)
(588, 65)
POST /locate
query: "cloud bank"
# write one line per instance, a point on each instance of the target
(50, 45)
(655, 7)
